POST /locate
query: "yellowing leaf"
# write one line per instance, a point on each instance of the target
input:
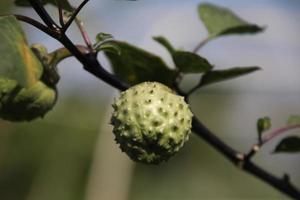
(17, 62)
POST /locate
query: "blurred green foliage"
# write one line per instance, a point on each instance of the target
(5, 5)
(49, 158)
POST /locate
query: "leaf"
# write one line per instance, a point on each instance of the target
(109, 46)
(104, 42)
(63, 3)
(100, 37)
(164, 42)
(221, 21)
(289, 144)
(189, 62)
(136, 65)
(223, 75)
(293, 120)
(17, 62)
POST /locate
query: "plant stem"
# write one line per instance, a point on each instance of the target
(92, 65)
(60, 14)
(38, 7)
(201, 44)
(74, 15)
(278, 132)
(281, 184)
(63, 53)
(84, 34)
(36, 24)
(268, 137)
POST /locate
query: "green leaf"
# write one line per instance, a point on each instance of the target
(63, 3)
(189, 62)
(288, 145)
(185, 61)
(164, 42)
(263, 124)
(104, 42)
(100, 37)
(136, 65)
(293, 120)
(109, 46)
(223, 75)
(17, 62)
(221, 21)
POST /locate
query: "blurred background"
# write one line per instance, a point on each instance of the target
(71, 154)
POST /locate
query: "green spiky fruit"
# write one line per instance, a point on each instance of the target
(151, 122)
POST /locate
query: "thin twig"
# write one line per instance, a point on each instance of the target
(38, 7)
(238, 159)
(74, 15)
(84, 34)
(268, 137)
(92, 65)
(89, 61)
(63, 52)
(36, 24)
(278, 132)
(61, 15)
(197, 48)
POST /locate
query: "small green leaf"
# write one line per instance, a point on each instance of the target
(288, 145)
(164, 42)
(293, 120)
(100, 37)
(263, 124)
(189, 62)
(136, 65)
(109, 46)
(104, 42)
(63, 3)
(223, 75)
(221, 21)
(17, 62)
(185, 61)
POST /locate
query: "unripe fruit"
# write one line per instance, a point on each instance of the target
(151, 122)
(34, 100)
(25, 104)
